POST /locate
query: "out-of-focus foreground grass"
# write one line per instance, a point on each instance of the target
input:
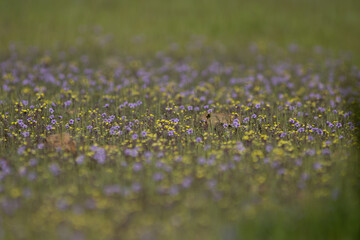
(140, 27)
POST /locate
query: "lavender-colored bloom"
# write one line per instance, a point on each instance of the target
(158, 176)
(100, 155)
(144, 133)
(236, 124)
(26, 134)
(71, 121)
(137, 167)
(134, 136)
(174, 190)
(311, 152)
(281, 171)
(246, 120)
(317, 166)
(201, 161)
(33, 162)
(326, 151)
(67, 103)
(112, 190)
(189, 131)
(80, 159)
(54, 169)
(198, 139)
(282, 135)
(175, 120)
(21, 150)
(89, 127)
(301, 130)
(136, 187)
(51, 110)
(186, 183)
(268, 148)
(237, 158)
(171, 133)
(53, 121)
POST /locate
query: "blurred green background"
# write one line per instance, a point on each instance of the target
(142, 26)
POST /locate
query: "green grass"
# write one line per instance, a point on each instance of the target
(331, 24)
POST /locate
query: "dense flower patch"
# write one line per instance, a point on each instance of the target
(137, 148)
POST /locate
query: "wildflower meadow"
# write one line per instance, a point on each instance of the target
(188, 142)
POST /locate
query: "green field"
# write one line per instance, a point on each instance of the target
(154, 24)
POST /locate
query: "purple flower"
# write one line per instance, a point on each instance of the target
(175, 120)
(71, 121)
(236, 124)
(89, 127)
(268, 148)
(158, 176)
(136, 187)
(100, 155)
(26, 134)
(135, 136)
(53, 121)
(49, 127)
(198, 139)
(171, 133)
(186, 183)
(190, 131)
(137, 167)
(21, 150)
(144, 133)
(317, 166)
(301, 130)
(67, 103)
(54, 169)
(326, 151)
(80, 159)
